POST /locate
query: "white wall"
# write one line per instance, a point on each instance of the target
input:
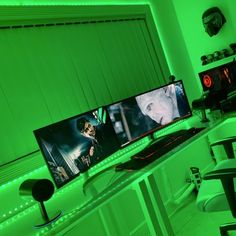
(197, 41)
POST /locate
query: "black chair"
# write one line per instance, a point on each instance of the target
(217, 191)
(228, 146)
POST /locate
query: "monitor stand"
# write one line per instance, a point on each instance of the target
(46, 219)
(152, 138)
(90, 179)
(204, 117)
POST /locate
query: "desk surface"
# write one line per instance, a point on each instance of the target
(72, 201)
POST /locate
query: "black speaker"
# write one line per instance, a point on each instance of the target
(40, 190)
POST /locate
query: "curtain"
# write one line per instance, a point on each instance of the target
(55, 72)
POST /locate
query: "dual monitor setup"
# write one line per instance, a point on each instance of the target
(74, 145)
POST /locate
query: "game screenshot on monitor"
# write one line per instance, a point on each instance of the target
(140, 115)
(72, 146)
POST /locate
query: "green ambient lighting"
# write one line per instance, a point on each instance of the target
(28, 207)
(10, 187)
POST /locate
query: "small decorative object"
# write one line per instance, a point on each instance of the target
(195, 177)
(233, 47)
(218, 55)
(41, 190)
(210, 58)
(204, 59)
(224, 53)
(213, 20)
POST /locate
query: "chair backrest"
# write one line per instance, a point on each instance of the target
(217, 192)
(228, 146)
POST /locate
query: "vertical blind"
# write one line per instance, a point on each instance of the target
(52, 73)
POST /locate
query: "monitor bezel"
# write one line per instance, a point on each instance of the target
(152, 131)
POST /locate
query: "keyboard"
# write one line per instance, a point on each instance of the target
(158, 148)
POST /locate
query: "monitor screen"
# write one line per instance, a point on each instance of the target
(220, 79)
(72, 146)
(137, 116)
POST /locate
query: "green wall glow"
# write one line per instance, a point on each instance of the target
(179, 25)
(52, 73)
(174, 45)
(196, 40)
(71, 2)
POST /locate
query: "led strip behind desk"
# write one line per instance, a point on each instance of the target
(77, 209)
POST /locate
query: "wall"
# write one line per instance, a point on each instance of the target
(37, 92)
(196, 40)
(174, 45)
(181, 45)
(181, 31)
(168, 28)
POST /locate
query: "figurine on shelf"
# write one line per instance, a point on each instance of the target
(218, 55)
(204, 60)
(233, 47)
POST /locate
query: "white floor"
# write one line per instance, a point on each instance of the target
(189, 221)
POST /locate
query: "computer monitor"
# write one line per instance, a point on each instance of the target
(220, 79)
(72, 146)
(140, 115)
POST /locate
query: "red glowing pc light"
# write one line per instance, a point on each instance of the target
(207, 81)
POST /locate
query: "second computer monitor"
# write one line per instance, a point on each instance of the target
(137, 116)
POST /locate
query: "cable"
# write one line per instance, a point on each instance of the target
(185, 194)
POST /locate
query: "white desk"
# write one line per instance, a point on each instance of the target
(116, 203)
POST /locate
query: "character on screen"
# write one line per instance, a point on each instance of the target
(163, 105)
(93, 149)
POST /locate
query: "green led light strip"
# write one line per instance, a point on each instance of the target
(5, 27)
